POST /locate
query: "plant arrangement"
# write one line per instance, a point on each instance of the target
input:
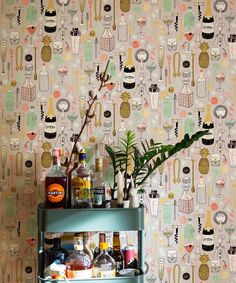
(140, 162)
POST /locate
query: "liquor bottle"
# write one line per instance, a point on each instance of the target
(201, 191)
(99, 190)
(208, 22)
(87, 249)
(80, 184)
(31, 119)
(208, 234)
(50, 19)
(122, 29)
(78, 264)
(102, 239)
(104, 264)
(56, 184)
(189, 124)
(129, 72)
(43, 79)
(75, 164)
(117, 253)
(186, 202)
(50, 131)
(186, 97)
(208, 125)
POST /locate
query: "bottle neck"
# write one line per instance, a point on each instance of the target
(129, 62)
(56, 163)
(208, 118)
(208, 12)
(50, 6)
(208, 224)
(116, 243)
(50, 108)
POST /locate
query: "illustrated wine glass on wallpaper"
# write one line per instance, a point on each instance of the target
(161, 268)
(10, 120)
(188, 36)
(82, 7)
(10, 15)
(72, 117)
(31, 136)
(168, 20)
(72, 12)
(168, 232)
(188, 248)
(31, 30)
(141, 128)
(3, 159)
(161, 56)
(229, 18)
(82, 107)
(230, 230)
(141, 22)
(229, 124)
(89, 70)
(3, 55)
(62, 72)
(168, 126)
(151, 67)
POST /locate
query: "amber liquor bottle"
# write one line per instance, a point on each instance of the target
(117, 253)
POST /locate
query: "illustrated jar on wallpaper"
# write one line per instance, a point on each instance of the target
(232, 153)
(107, 40)
(154, 92)
(28, 90)
(185, 97)
(232, 259)
(185, 204)
(28, 197)
(75, 40)
(232, 47)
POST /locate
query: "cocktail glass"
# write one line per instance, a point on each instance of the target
(188, 36)
(62, 72)
(10, 15)
(141, 22)
(82, 7)
(229, 124)
(168, 20)
(230, 230)
(72, 12)
(72, 117)
(151, 67)
(3, 159)
(141, 128)
(3, 261)
(3, 55)
(89, 71)
(189, 248)
(168, 233)
(161, 57)
(31, 136)
(31, 30)
(82, 107)
(10, 120)
(168, 126)
(151, 278)
(161, 268)
(229, 18)
(10, 227)
(220, 78)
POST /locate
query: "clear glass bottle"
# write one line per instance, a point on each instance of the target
(99, 190)
(78, 264)
(28, 196)
(107, 40)
(186, 202)
(122, 29)
(28, 90)
(87, 249)
(201, 86)
(104, 264)
(201, 191)
(43, 79)
(81, 184)
(189, 19)
(185, 97)
(117, 253)
(31, 119)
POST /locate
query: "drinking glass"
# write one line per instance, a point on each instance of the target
(161, 56)
(230, 230)
(31, 30)
(3, 159)
(141, 128)
(229, 18)
(89, 71)
(82, 7)
(168, 233)
(10, 120)
(10, 15)
(31, 136)
(72, 117)
(141, 22)
(188, 36)
(3, 55)
(161, 268)
(151, 67)
(72, 12)
(189, 248)
(168, 20)
(229, 124)
(168, 126)
(62, 72)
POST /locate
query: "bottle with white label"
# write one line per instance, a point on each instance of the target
(129, 72)
(208, 234)
(104, 266)
(50, 19)
(99, 196)
(78, 264)
(208, 22)
(50, 127)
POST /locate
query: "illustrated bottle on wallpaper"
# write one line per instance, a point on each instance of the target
(81, 184)
(99, 190)
(208, 234)
(31, 119)
(201, 86)
(50, 128)
(189, 124)
(122, 29)
(104, 264)
(50, 19)
(9, 101)
(208, 124)
(129, 72)
(208, 22)
(78, 264)
(201, 191)
(43, 79)
(56, 183)
(117, 253)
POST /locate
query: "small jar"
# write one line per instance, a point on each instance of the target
(75, 40)
(154, 202)
(232, 47)
(154, 92)
(232, 153)
(232, 259)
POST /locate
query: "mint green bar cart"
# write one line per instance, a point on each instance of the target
(94, 220)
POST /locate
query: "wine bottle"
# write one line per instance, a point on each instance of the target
(208, 234)
(208, 125)
(208, 22)
(129, 72)
(50, 128)
(50, 20)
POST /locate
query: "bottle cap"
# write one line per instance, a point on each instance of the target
(232, 144)
(103, 246)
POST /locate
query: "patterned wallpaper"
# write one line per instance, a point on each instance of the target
(184, 75)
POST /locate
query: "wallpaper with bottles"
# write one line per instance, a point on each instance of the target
(171, 71)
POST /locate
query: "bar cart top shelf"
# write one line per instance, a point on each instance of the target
(94, 219)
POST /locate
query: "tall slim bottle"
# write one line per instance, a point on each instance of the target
(117, 253)
(208, 124)
(208, 234)
(50, 128)
(208, 22)
(129, 72)
(50, 19)
(55, 184)
(99, 190)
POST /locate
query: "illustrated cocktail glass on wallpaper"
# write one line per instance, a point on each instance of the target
(10, 15)
(72, 12)
(168, 232)
(230, 230)
(3, 160)
(62, 72)
(229, 124)
(10, 120)
(31, 30)
(89, 70)
(151, 67)
(229, 18)
(82, 7)
(141, 22)
(188, 36)
(3, 55)
(168, 20)
(168, 126)
(188, 248)
(31, 136)
(72, 117)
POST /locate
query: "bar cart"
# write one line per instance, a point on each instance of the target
(94, 220)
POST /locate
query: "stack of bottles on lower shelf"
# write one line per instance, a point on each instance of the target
(86, 262)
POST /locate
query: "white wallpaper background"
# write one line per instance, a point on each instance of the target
(168, 28)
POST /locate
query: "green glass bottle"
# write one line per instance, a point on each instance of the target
(31, 119)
